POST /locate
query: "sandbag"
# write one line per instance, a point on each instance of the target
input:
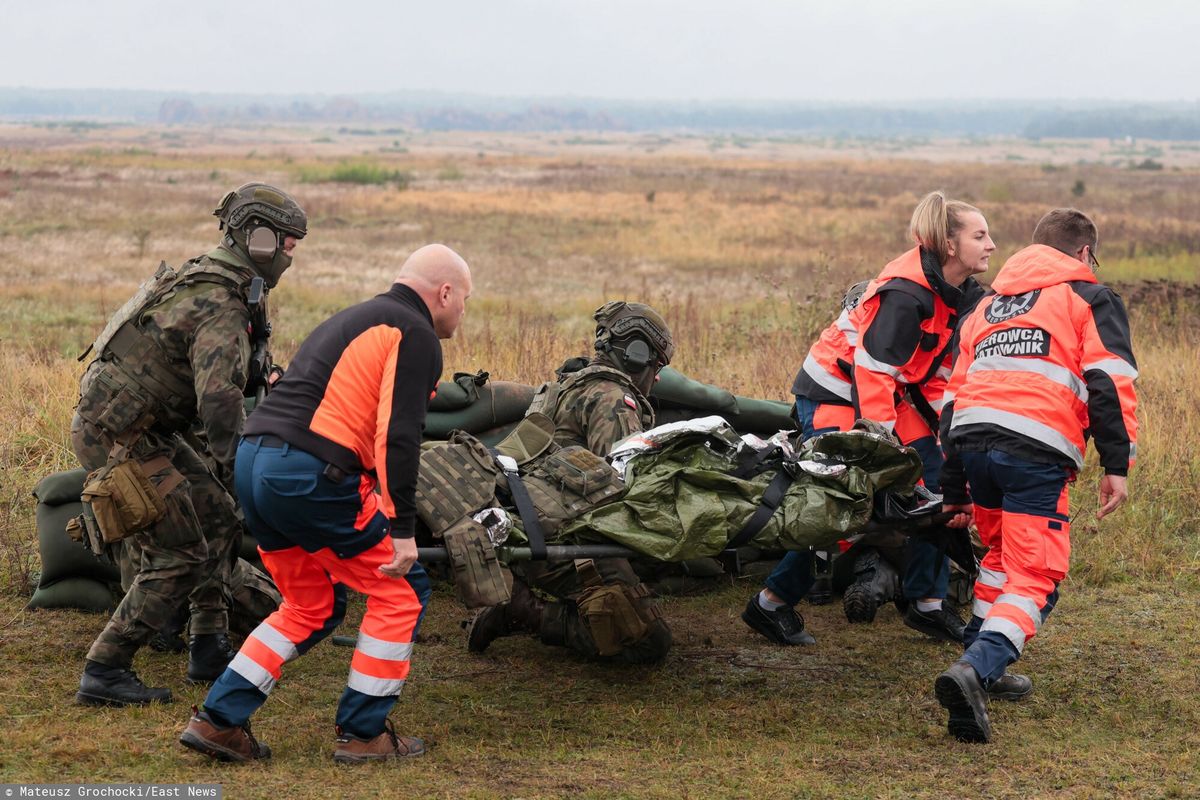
(58, 502)
(457, 394)
(82, 593)
(673, 389)
(500, 403)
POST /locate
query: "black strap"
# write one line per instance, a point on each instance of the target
(529, 517)
(922, 406)
(771, 499)
(758, 464)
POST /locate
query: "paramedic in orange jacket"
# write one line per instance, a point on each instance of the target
(344, 421)
(1041, 366)
(886, 359)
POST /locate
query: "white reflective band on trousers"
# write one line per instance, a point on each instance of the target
(382, 650)
(280, 644)
(863, 359)
(376, 687)
(939, 404)
(987, 577)
(982, 415)
(1039, 366)
(378, 648)
(1011, 630)
(991, 577)
(837, 385)
(1114, 367)
(254, 672)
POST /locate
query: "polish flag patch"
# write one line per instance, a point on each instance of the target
(629, 401)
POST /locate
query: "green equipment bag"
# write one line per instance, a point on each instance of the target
(122, 499)
(478, 575)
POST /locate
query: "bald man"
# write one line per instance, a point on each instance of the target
(344, 422)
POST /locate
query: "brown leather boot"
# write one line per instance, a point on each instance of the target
(224, 744)
(523, 612)
(384, 747)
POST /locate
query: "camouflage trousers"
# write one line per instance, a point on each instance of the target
(564, 624)
(252, 593)
(185, 556)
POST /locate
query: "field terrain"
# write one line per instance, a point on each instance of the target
(746, 245)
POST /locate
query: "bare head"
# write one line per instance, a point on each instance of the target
(1069, 231)
(443, 280)
(956, 232)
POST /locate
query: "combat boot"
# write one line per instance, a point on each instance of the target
(958, 691)
(208, 656)
(102, 685)
(522, 613)
(875, 583)
(384, 747)
(1010, 686)
(235, 743)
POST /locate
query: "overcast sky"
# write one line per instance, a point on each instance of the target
(868, 50)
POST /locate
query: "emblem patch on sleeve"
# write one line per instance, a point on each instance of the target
(629, 401)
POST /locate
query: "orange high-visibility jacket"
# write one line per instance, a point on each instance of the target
(1043, 364)
(356, 394)
(898, 336)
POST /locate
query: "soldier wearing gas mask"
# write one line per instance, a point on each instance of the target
(600, 609)
(176, 354)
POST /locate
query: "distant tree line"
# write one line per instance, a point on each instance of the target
(432, 111)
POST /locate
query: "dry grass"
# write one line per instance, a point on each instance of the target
(746, 250)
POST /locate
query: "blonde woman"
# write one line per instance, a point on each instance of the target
(886, 358)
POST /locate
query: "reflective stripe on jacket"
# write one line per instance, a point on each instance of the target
(905, 326)
(1045, 363)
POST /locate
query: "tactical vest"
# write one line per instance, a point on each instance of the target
(118, 397)
(549, 395)
(462, 476)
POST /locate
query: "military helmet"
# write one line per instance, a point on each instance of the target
(637, 332)
(255, 218)
(258, 202)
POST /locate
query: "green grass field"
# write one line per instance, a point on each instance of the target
(746, 250)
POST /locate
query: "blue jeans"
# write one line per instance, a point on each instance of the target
(793, 575)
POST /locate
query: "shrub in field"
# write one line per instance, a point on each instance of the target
(360, 172)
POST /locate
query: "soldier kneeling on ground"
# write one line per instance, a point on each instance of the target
(599, 609)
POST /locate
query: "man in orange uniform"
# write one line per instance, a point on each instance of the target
(1040, 367)
(344, 421)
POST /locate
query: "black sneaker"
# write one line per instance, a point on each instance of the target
(1010, 686)
(782, 626)
(959, 692)
(939, 623)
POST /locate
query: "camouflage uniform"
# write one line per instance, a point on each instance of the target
(595, 407)
(191, 358)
